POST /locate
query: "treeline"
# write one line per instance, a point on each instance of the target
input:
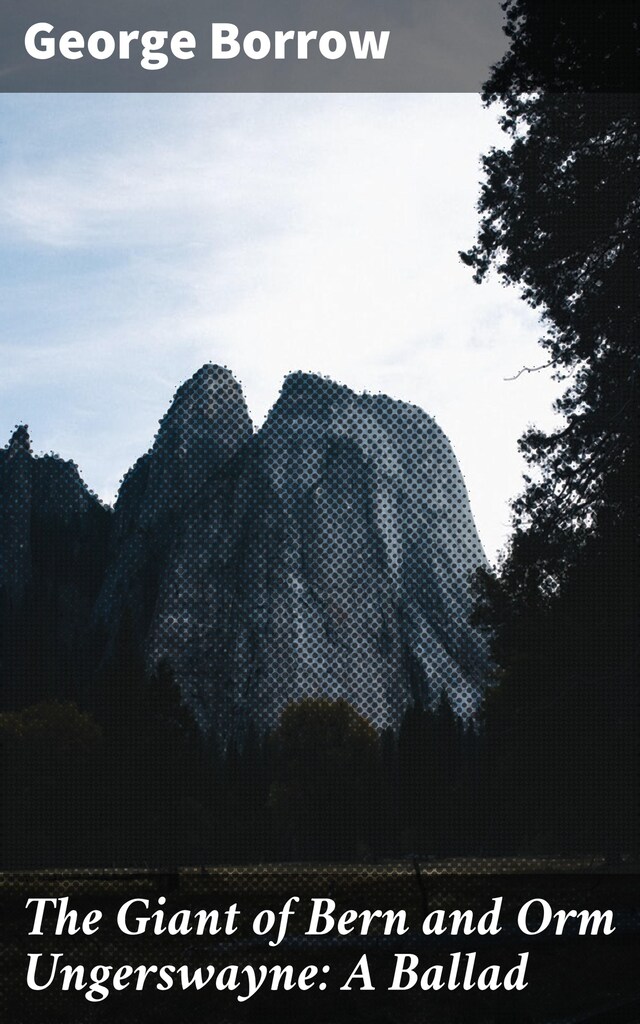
(552, 765)
(559, 220)
(135, 783)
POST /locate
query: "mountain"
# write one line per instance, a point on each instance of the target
(53, 543)
(330, 553)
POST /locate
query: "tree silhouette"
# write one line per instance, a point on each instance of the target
(52, 757)
(559, 217)
(325, 768)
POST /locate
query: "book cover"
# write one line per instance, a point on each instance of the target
(318, 512)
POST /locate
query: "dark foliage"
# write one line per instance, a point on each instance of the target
(559, 213)
(554, 766)
(564, 47)
(135, 784)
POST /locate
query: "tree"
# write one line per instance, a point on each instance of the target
(157, 781)
(433, 798)
(52, 759)
(324, 787)
(559, 211)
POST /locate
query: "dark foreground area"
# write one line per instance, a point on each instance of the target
(570, 978)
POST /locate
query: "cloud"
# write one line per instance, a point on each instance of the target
(148, 234)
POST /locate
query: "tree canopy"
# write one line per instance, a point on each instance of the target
(559, 218)
(561, 47)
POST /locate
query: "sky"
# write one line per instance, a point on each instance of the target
(144, 235)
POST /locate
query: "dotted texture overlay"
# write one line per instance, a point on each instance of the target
(320, 557)
(310, 581)
(264, 652)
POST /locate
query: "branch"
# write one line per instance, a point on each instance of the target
(532, 369)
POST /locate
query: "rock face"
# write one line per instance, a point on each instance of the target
(328, 554)
(184, 477)
(53, 536)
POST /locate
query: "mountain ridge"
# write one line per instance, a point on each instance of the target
(328, 553)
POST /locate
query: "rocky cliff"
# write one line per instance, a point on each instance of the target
(330, 553)
(53, 542)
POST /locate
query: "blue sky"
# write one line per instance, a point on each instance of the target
(143, 235)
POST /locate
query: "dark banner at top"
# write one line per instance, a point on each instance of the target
(249, 45)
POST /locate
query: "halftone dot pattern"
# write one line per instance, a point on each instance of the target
(325, 559)
(328, 555)
(36, 488)
(53, 535)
